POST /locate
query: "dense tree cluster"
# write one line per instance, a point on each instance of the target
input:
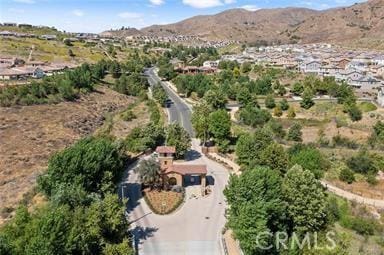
(263, 201)
(82, 216)
(53, 89)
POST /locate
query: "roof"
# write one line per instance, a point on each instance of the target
(185, 169)
(166, 149)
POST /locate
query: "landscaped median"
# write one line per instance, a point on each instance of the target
(163, 202)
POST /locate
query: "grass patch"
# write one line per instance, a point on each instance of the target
(367, 107)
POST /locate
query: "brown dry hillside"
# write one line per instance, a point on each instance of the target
(360, 24)
(238, 24)
(30, 134)
(347, 24)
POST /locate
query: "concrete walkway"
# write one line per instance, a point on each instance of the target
(340, 192)
(353, 197)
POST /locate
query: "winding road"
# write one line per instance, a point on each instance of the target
(193, 229)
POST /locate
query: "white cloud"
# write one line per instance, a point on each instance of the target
(207, 3)
(14, 10)
(25, 1)
(157, 2)
(250, 7)
(78, 13)
(130, 15)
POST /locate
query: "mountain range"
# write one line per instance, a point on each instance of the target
(359, 24)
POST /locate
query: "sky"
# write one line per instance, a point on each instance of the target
(99, 15)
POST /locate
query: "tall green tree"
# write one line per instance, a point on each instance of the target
(220, 125)
(249, 146)
(307, 202)
(215, 98)
(256, 206)
(177, 136)
(200, 120)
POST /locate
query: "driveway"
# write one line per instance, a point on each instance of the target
(193, 229)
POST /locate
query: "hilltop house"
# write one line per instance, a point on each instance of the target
(180, 174)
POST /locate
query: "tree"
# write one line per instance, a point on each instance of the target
(347, 175)
(149, 173)
(246, 67)
(307, 101)
(363, 163)
(254, 116)
(354, 112)
(274, 157)
(215, 98)
(243, 96)
(270, 101)
(294, 133)
(284, 104)
(297, 88)
(307, 202)
(255, 206)
(250, 146)
(291, 112)
(309, 157)
(91, 163)
(200, 120)
(160, 95)
(277, 111)
(220, 125)
(177, 136)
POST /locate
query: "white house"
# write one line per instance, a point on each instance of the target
(211, 64)
(378, 61)
(311, 66)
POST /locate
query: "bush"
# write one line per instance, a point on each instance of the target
(371, 179)
(294, 133)
(362, 226)
(338, 140)
(284, 104)
(270, 102)
(128, 116)
(347, 175)
(309, 158)
(363, 163)
(254, 116)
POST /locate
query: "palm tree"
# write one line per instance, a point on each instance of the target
(149, 173)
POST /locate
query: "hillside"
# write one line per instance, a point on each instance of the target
(121, 32)
(357, 23)
(360, 24)
(238, 24)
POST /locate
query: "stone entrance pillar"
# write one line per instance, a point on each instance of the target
(203, 183)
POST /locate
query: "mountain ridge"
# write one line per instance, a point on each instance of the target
(361, 22)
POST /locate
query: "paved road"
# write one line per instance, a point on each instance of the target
(195, 228)
(178, 111)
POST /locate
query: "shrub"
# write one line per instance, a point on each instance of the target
(362, 226)
(128, 116)
(338, 140)
(347, 175)
(363, 163)
(284, 104)
(294, 133)
(371, 179)
(270, 102)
